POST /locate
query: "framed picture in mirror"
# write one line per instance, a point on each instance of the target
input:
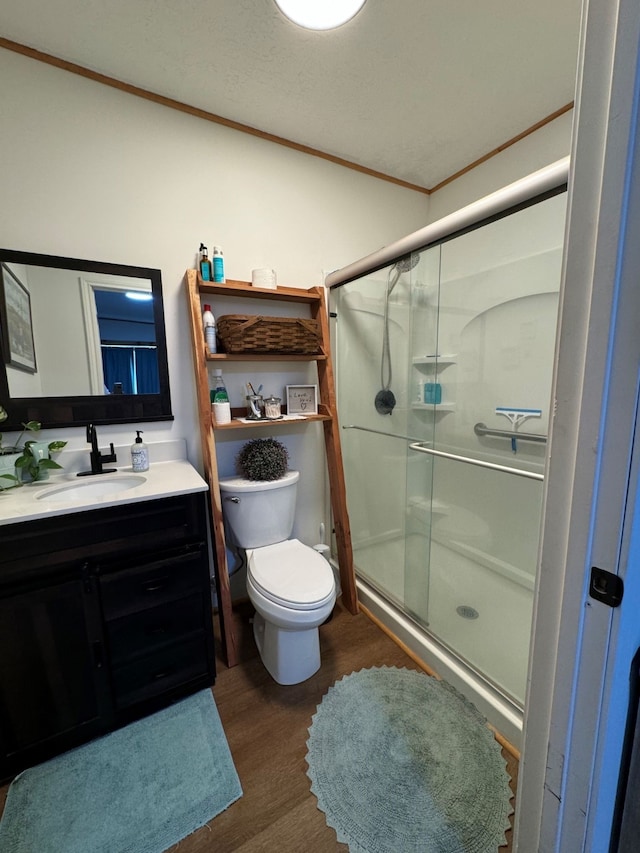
(16, 324)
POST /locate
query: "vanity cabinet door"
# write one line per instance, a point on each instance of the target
(53, 682)
(105, 616)
(158, 627)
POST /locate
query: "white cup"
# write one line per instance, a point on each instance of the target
(221, 413)
(264, 278)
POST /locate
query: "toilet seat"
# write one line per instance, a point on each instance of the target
(292, 575)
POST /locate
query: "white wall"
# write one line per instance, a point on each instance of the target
(552, 142)
(89, 172)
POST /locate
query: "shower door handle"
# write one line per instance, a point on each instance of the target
(420, 447)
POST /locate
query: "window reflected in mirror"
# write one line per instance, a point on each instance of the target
(127, 341)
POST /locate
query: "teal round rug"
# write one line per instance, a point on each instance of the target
(403, 763)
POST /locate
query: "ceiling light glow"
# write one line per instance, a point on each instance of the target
(320, 14)
(139, 295)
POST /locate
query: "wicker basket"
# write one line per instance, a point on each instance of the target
(242, 333)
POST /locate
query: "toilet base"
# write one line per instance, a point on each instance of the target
(289, 656)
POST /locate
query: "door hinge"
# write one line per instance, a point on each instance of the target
(606, 587)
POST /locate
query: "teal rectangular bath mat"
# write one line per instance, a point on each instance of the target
(140, 789)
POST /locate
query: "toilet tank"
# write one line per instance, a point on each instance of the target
(259, 512)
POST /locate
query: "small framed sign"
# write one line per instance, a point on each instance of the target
(302, 399)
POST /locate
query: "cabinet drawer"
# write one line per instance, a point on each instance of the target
(33, 547)
(160, 672)
(154, 582)
(150, 630)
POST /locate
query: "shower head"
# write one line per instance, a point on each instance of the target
(405, 264)
(408, 262)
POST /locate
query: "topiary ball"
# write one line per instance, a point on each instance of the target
(263, 459)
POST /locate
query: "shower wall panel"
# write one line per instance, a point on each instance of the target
(373, 457)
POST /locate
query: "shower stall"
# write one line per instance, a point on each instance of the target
(444, 351)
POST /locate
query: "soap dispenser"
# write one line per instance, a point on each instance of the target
(139, 454)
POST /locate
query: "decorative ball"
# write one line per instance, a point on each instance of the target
(263, 459)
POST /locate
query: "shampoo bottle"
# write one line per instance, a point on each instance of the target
(205, 264)
(218, 264)
(139, 454)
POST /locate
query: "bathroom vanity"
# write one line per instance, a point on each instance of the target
(105, 607)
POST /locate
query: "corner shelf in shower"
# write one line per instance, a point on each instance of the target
(199, 291)
(436, 408)
(433, 360)
(422, 508)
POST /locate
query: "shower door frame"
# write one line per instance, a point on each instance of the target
(525, 193)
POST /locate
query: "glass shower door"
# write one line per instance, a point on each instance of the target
(444, 487)
(497, 318)
(375, 402)
(425, 365)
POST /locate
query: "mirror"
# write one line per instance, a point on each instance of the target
(81, 341)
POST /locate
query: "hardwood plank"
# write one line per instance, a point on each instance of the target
(267, 728)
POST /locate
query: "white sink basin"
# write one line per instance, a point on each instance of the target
(96, 487)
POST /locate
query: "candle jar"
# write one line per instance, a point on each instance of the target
(272, 410)
(254, 407)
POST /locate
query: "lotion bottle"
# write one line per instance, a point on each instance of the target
(139, 454)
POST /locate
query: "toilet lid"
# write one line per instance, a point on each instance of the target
(291, 574)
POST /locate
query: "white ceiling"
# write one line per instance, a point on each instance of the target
(415, 89)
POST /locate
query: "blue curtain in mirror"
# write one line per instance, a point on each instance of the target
(130, 370)
(117, 364)
(147, 371)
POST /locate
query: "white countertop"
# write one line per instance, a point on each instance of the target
(164, 479)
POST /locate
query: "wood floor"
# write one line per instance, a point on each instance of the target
(267, 728)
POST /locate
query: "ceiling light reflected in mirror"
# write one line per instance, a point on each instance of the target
(320, 14)
(138, 296)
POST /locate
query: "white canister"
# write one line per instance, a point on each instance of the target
(264, 278)
(221, 413)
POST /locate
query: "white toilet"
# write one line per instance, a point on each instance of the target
(290, 585)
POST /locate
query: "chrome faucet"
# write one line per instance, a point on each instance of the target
(96, 457)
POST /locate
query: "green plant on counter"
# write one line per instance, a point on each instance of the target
(34, 466)
(31, 426)
(263, 459)
(10, 481)
(38, 467)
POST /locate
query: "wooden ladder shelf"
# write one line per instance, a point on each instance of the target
(315, 299)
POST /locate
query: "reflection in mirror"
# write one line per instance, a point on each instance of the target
(74, 329)
(129, 359)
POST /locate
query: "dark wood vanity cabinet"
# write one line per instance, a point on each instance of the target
(105, 616)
